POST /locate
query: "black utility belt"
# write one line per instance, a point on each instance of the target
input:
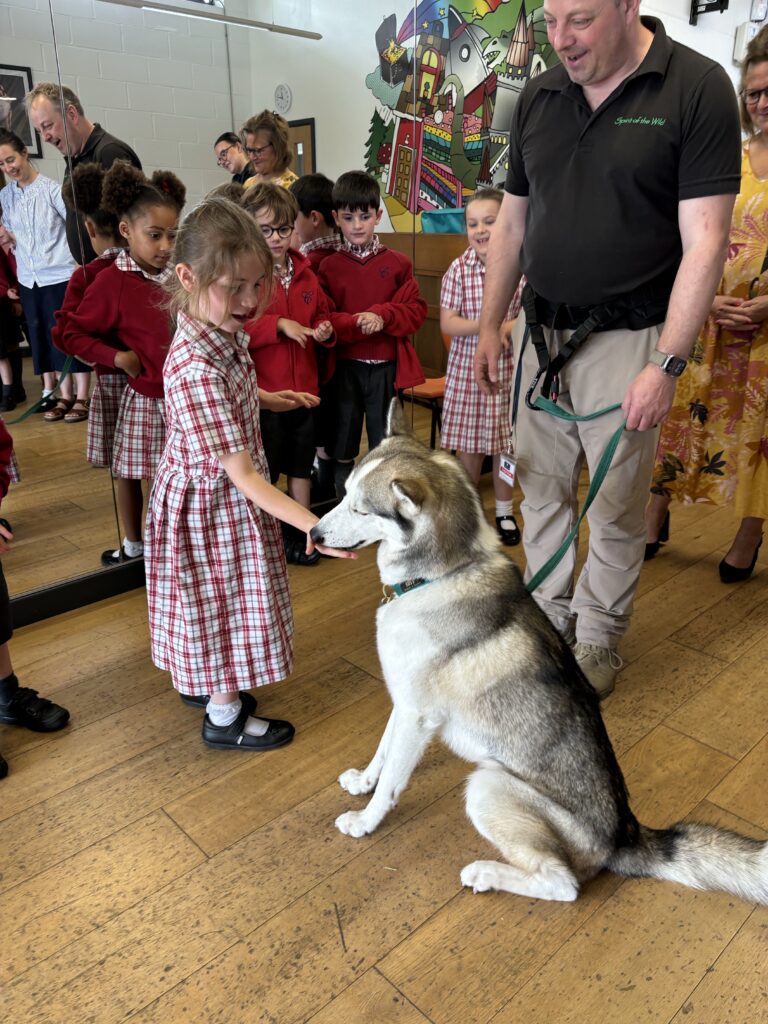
(562, 317)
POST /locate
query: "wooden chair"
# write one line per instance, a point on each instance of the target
(431, 394)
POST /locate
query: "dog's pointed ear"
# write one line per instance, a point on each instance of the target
(396, 422)
(410, 496)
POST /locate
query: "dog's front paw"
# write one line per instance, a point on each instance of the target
(480, 876)
(356, 782)
(354, 823)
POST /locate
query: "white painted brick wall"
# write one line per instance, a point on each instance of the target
(157, 81)
(160, 82)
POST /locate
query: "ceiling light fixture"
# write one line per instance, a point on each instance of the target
(212, 15)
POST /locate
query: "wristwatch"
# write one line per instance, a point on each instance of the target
(673, 366)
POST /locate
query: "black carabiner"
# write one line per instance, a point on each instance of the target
(534, 384)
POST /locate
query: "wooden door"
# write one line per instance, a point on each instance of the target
(302, 140)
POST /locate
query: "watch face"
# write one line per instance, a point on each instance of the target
(675, 365)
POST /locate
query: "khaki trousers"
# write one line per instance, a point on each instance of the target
(550, 454)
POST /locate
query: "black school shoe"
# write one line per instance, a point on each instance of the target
(247, 700)
(232, 737)
(33, 712)
(3, 767)
(296, 554)
(508, 535)
(117, 557)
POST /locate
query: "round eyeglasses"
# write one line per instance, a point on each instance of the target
(283, 231)
(257, 150)
(222, 154)
(752, 96)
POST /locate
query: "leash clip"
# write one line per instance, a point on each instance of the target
(534, 384)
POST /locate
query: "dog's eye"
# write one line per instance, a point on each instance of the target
(359, 512)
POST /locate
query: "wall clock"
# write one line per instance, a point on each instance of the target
(283, 98)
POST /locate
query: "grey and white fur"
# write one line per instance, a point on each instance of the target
(469, 656)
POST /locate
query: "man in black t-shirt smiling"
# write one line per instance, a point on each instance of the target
(58, 115)
(624, 164)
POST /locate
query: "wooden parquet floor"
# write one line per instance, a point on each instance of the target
(146, 878)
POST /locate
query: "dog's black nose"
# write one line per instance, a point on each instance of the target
(316, 534)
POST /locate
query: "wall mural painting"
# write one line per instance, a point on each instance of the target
(446, 85)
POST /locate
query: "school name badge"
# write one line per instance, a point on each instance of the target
(507, 469)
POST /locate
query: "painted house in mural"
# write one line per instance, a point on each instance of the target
(449, 103)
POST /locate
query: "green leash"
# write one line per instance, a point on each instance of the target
(594, 485)
(36, 405)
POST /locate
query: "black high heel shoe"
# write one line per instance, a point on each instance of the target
(731, 574)
(652, 548)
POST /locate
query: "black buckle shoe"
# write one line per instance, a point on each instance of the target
(117, 557)
(509, 536)
(233, 737)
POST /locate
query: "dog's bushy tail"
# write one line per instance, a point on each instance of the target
(701, 856)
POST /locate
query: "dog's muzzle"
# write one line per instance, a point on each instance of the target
(316, 534)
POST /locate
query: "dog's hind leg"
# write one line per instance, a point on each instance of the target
(537, 864)
(356, 781)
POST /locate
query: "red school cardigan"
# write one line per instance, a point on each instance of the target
(280, 362)
(82, 278)
(381, 283)
(122, 309)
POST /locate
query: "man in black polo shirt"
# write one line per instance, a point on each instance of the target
(624, 164)
(58, 115)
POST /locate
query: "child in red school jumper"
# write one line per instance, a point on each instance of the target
(86, 183)
(124, 309)
(315, 225)
(19, 705)
(319, 237)
(282, 345)
(377, 307)
(10, 333)
(219, 608)
(474, 424)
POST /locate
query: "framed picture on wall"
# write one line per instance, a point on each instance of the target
(15, 83)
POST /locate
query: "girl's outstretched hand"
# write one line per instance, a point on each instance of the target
(331, 552)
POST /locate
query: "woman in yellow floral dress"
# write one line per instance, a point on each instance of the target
(714, 443)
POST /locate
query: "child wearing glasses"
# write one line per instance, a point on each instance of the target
(282, 345)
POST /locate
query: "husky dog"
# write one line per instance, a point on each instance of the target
(467, 654)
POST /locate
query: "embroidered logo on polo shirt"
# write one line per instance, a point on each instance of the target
(307, 296)
(640, 119)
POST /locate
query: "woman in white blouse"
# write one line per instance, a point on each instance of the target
(34, 218)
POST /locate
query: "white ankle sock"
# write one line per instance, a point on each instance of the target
(505, 509)
(133, 548)
(223, 715)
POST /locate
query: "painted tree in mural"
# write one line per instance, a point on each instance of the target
(379, 145)
(446, 85)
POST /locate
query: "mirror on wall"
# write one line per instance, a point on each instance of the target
(61, 509)
(371, 92)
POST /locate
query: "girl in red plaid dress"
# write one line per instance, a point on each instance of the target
(474, 424)
(123, 318)
(219, 608)
(86, 183)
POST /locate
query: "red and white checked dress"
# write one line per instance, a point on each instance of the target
(102, 417)
(472, 421)
(220, 614)
(139, 436)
